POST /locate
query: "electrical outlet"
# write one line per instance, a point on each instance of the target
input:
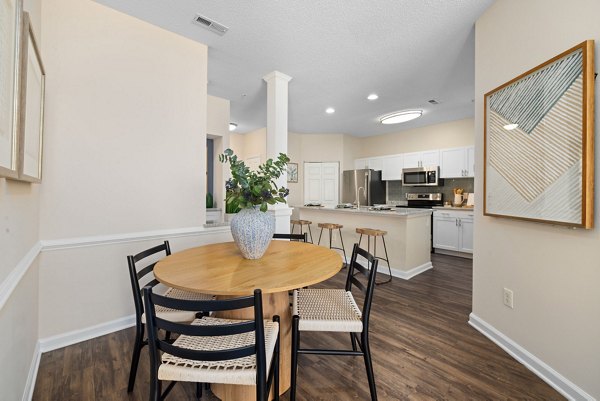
(508, 298)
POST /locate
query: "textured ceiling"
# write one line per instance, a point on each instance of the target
(337, 52)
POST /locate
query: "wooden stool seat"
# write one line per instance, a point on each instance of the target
(302, 223)
(330, 226)
(375, 233)
(371, 231)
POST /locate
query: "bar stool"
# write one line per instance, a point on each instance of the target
(375, 233)
(330, 227)
(302, 223)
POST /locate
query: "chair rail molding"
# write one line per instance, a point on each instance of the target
(14, 277)
(557, 381)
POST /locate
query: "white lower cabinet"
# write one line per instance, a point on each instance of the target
(453, 231)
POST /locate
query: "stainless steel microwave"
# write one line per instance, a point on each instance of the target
(421, 177)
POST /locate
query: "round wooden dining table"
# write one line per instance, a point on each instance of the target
(220, 269)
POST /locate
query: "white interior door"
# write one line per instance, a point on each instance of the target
(321, 183)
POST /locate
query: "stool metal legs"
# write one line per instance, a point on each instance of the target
(333, 247)
(302, 232)
(387, 260)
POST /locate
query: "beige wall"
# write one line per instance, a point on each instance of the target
(125, 153)
(19, 222)
(553, 271)
(446, 135)
(125, 124)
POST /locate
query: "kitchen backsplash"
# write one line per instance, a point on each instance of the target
(396, 192)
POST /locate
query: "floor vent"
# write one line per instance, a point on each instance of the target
(211, 25)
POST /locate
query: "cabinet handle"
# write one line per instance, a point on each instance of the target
(459, 222)
(456, 222)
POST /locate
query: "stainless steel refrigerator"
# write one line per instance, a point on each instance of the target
(363, 187)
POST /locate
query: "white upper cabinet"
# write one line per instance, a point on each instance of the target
(321, 183)
(471, 161)
(422, 159)
(457, 162)
(375, 163)
(359, 164)
(430, 158)
(392, 168)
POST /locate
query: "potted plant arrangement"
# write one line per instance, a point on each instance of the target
(252, 191)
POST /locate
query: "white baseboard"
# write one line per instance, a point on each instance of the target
(32, 375)
(406, 274)
(77, 336)
(537, 366)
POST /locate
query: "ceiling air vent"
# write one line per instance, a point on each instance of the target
(211, 25)
(433, 101)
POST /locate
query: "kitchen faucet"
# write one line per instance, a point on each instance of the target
(358, 196)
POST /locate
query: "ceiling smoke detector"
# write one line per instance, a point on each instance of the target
(211, 25)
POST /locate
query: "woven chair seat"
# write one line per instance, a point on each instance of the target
(179, 315)
(327, 310)
(233, 371)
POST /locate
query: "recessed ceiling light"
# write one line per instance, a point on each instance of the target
(232, 126)
(373, 96)
(510, 127)
(400, 116)
(330, 110)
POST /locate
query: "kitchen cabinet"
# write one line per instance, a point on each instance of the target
(453, 231)
(392, 168)
(421, 159)
(321, 183)
(374, 163)
(457, 162)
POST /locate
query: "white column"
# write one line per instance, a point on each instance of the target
(277, 137)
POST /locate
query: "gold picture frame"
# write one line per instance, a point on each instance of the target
(31, 116)
(10, 22)
(539, 142)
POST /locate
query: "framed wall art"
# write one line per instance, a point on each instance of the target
(539, 142)
(10, 20)
(31, 119)
(292, 172)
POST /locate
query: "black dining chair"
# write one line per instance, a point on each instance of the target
(213, 350)
(141, 267)
(335, 310)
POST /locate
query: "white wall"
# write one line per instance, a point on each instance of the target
(218, 129)
(553, 271)
(124, 154)
(19, 221)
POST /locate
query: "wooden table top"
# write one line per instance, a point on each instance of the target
(220, 269)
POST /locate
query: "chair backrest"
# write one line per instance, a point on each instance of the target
(292, 237)
(151, 300)
(355, 269)
(139, 271)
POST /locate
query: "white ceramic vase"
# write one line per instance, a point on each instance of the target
(252, 231)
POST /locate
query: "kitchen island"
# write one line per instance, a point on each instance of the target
(408, 236)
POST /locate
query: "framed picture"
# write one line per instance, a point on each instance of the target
(539, 142)
(10, 20)
(292, 172)
(31, 119)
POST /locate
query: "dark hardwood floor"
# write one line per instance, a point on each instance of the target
(422, 348)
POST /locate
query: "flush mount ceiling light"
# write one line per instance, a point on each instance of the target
(400, 116)
(232, 126)
(330, 110)
(510, 127)
(373, 96)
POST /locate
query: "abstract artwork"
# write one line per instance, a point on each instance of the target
(292, 172)
(10, 11)
(32, 106)
(538, 143)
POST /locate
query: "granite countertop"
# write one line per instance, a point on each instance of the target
(402, 212)
(464, 209)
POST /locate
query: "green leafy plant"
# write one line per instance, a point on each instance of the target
(209, 201)
(232, 206)
(248, 188)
